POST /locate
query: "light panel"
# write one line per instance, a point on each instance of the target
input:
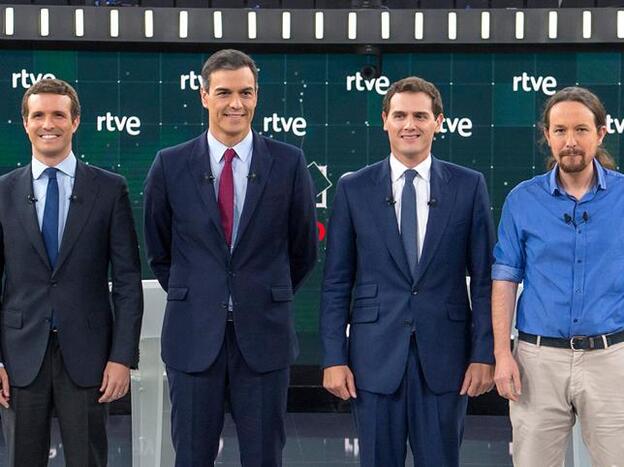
(385, 25)
(352, 26)
(44, 22)
(217, 23)
(419, 21)
(79, 26)
(114, 23)
(252, 27)
(485, 25)
(519, 25)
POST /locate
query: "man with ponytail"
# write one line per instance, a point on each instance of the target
(559, 235)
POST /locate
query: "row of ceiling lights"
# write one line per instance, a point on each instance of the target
(319, 29)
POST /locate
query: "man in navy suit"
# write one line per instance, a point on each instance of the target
(230, 230)
(402, 235)
(67, 342)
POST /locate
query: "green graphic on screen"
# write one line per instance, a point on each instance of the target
(133, 104)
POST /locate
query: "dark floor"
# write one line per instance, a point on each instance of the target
(315, 439)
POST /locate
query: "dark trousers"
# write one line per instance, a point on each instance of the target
(258, 406)
(26, 424)
(433, 423)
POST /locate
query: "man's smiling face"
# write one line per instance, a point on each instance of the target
(411, 125)
(50, 126)
(231, 101)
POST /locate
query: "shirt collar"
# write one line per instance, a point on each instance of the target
(600, 184)
(67, 166)
(397, 168)
(217, 148)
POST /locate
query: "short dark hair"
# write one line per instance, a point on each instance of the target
(588, 99)
(227, 59)
(415, 84)
(53, 86)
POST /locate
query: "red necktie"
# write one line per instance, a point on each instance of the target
(226, 195)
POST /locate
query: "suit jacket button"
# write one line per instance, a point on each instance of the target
(224, 306)
(414, 291)
(53, 283)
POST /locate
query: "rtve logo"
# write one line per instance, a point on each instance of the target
(359, 83)
(278, 124)
(111, 123)
(460, 125)
(192, 79)
(614, 125)
(526, 83)
(26, 79)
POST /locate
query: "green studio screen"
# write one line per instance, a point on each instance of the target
(136, 103)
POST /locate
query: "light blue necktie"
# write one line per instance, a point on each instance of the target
(50, 225)
(409, 220)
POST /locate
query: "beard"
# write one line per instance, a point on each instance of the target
(572, 161)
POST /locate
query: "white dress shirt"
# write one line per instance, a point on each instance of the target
(65, 179)
(422, 188)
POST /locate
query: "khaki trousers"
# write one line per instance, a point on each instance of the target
(558, 385)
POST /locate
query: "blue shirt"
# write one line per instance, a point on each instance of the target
(240, 170)
(569, 253)
(65, 178)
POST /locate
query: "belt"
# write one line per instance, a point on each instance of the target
(575, 342)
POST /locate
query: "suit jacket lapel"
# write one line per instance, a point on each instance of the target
(201, 173)
(85, 192)
(444, 194)
(383, 210)
(261, 163)
(28, 212)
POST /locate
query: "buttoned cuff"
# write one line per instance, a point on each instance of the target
(502, 272)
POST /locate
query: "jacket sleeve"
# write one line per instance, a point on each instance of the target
(302, 233)
(479, 268)
(340, 266)
(157, 222)
(127, 292)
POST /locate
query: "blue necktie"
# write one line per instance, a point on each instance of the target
(50, 225)
(409, 220)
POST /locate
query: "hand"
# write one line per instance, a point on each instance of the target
(339, 381)
(478, 380)
(115, 382)
(4, 388)
(507, 377)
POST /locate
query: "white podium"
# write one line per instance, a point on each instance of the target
(151, 409)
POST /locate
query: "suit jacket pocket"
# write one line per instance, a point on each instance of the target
(177, 293)
(12, 319)
(364, 314)
(365, 291)
(282, 294)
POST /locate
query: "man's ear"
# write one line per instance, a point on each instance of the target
(439, 120)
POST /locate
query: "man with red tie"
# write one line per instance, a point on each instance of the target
(230, 230)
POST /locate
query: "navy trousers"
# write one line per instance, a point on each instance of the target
(433, 423)
(257, 402)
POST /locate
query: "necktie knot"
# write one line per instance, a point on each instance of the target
(51, 172)
(229, 155)
(410, 175)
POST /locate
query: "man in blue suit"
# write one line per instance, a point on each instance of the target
(402, 235)
(230, 231)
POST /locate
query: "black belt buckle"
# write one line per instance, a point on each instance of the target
(583, 343)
